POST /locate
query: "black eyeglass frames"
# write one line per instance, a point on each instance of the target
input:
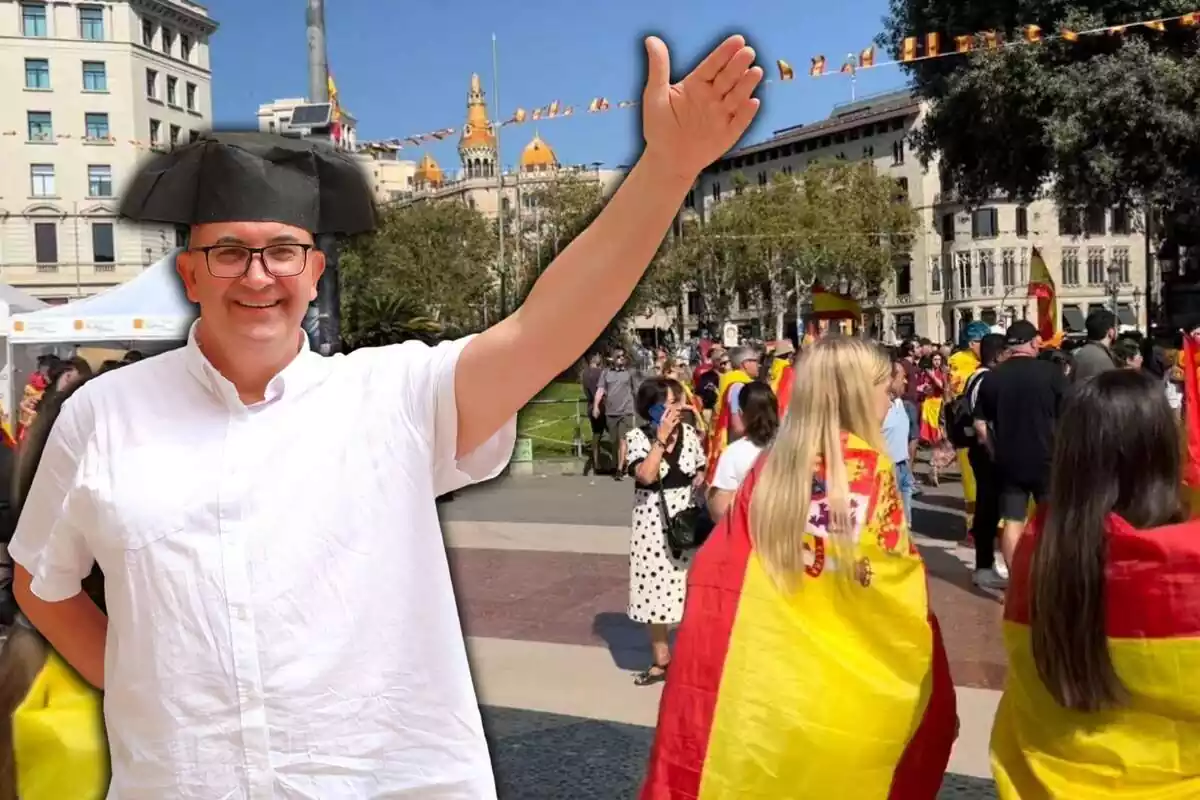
(233, 260)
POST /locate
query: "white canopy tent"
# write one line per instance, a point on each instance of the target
(150, 308)
(150, 313)
(12, 301)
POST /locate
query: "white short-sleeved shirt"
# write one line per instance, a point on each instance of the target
(281, 618)
(735, 464)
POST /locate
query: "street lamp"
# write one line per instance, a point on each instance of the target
(1114, 286)
(1137, 306)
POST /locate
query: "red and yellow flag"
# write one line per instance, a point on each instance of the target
(830, 305)
(783, 376)
(1190, 364)
(761, 700)
(718, 437)
(1147, 748)
(1041, 286)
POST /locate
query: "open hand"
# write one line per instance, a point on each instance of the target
(690, 124)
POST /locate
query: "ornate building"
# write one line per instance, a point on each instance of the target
(477, 148)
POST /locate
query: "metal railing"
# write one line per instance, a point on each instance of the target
(578, 442)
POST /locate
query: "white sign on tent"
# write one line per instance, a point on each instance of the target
(151, 307)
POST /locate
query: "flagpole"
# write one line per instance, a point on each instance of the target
(499, 178)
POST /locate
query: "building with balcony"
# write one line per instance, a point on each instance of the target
(965, 264)
(88, 90)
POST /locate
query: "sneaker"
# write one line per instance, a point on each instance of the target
(989, 579)
(1001, 568)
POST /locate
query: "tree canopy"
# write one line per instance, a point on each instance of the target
(1110, 119)
(428, 268)
(839, 223)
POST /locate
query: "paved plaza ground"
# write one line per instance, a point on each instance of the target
(541, 573)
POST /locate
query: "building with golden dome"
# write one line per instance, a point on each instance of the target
(477, 146)
(428, 175)
(538, 156)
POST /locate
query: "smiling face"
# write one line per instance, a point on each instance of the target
(257, 307)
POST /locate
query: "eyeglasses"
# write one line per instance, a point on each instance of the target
(233, 260)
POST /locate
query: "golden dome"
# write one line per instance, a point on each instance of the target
(538, 155)
(428, 171)
(478, 130)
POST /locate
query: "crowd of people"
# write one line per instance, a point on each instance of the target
(1063, 447)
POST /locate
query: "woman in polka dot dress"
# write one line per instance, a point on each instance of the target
(669, 453)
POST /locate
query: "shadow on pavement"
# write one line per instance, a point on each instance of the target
(628, 642)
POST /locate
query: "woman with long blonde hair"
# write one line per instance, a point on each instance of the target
(808, 663)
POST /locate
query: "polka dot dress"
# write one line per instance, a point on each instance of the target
(657, 578)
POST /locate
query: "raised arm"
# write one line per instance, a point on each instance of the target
(686, 126)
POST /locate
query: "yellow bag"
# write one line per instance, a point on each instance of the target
(59, 743)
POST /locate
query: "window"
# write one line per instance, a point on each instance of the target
(984, 223)
(91, 23)
(1022, 221)
(104, 250)
(37, 73)
(41, 180)
(947, 227)
(868, 151)
(962, 263)
(152, 84)
(1094, 219)
(191, 96)
(903, 280)
(898, 153)
(1120, 260)
(95, 76)
(193, 136)
(95, 126)
(1070, 222)
(45, 241)
(185, 47)
(147, 33)
(175, 131)
(1070, 266)
(935, 275)
(1008, 268)
(155, 132)
(1023, 276)
(40, 129)
(901, 190)
(1121, 224)
(33, 19)
(168, 41)
(762, 177)
(1095, 266)
(100, 180)
(987, 271)
(716, 192)
(172, 91)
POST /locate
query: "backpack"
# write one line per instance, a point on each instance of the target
(960, 414)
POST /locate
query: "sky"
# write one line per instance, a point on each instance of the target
(403, 68)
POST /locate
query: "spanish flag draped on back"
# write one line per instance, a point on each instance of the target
(1041, 286)
(718, 436)
(1150, 746)
(1190, 364)
(59, 743)
(840, 689)
(782, 376)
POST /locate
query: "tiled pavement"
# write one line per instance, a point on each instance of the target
(541, 579)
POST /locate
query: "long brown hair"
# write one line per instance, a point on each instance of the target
(24, 652)
(1116, 451)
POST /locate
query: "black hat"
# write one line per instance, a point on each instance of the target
(1021, 332)
(253, 177)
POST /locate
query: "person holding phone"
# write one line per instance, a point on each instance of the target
(665, 455)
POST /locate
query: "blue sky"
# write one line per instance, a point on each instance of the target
(404, 67)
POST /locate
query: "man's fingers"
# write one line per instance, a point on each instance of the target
(742, 90)
(715, 61)
(728, 77)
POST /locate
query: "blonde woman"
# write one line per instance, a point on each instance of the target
(808, 663)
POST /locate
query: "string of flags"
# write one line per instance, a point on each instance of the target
(925, 48)
(913, 49)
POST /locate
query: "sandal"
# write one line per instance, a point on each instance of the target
(655, 673)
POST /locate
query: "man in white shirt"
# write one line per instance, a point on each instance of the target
(278, 631)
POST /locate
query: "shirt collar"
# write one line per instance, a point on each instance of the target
(304, 371)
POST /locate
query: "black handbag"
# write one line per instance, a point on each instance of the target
(688, 529)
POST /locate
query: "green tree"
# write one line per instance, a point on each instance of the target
(426, 263)
(1107, 120)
